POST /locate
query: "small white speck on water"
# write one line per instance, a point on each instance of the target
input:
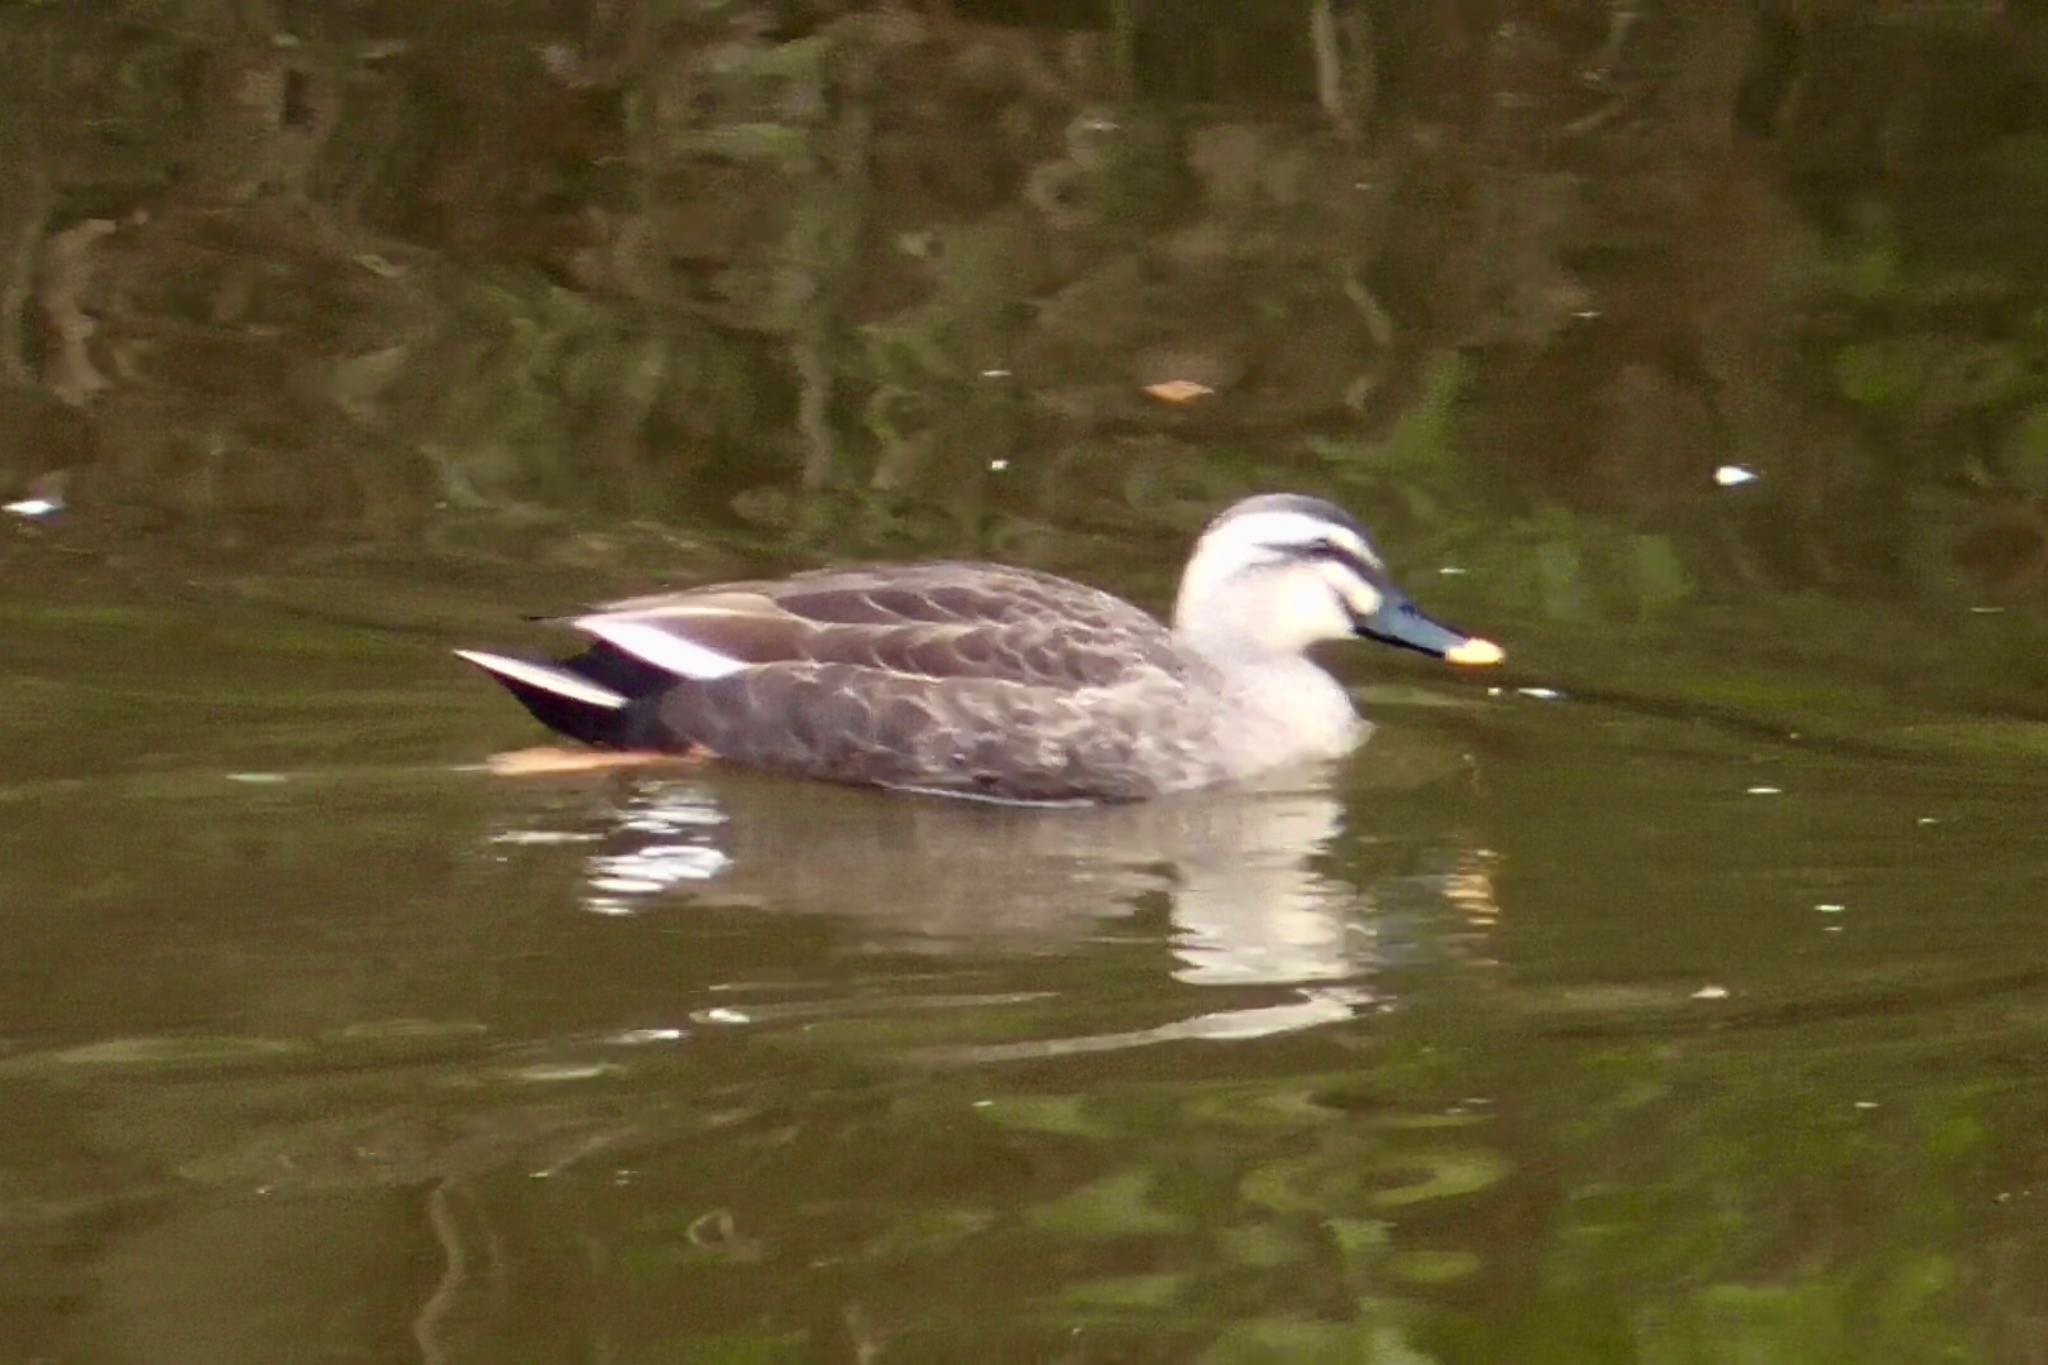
(35, 507)
(639, 1037)
(1866, 1105)
(1763, 791)
(721, 1014)
(1711, 993)
(1451, 571)
(1987, 611)
(995, 374)
(1831, 928)
(1830, 907)
(1540, 693)
(1926, 820)
(258, 779)
(555, 1073)
(626, 886)
(1735, 475)
(998, 465)
(984, 1104)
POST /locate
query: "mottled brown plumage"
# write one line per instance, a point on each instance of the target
(967, 679)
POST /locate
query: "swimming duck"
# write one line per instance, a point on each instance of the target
(980, 680)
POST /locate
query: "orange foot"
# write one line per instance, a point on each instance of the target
(530, 762)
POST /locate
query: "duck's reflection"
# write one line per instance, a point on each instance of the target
(1251, 908)
(1239, 874)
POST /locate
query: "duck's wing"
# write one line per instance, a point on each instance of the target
(932, 622)
(956, 678)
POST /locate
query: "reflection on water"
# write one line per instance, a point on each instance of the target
(1249, 908)
(1242, 877)
(661, 841)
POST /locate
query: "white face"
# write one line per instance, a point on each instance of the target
(1249, 584)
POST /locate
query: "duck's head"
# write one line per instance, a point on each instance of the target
(1275, 574)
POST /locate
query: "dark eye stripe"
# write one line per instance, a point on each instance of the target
(1340, 554)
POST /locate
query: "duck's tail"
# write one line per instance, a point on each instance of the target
(588, 698)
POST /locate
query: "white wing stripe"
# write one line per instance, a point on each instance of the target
(559, 681)
(662, 648)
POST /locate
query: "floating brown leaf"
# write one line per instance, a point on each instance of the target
(1178, 390)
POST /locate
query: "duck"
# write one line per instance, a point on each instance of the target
(990, 682)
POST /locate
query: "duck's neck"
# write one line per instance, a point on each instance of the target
(1280, 709)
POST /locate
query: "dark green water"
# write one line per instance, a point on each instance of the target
(1544, 1031)
(1678, 995)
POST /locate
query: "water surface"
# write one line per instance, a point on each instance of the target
(1545, 1029)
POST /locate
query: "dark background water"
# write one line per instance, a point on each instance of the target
(1680, 995)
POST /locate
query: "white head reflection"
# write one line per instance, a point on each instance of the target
(1252, 910)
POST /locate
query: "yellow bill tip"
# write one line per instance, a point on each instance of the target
(1475, 653)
